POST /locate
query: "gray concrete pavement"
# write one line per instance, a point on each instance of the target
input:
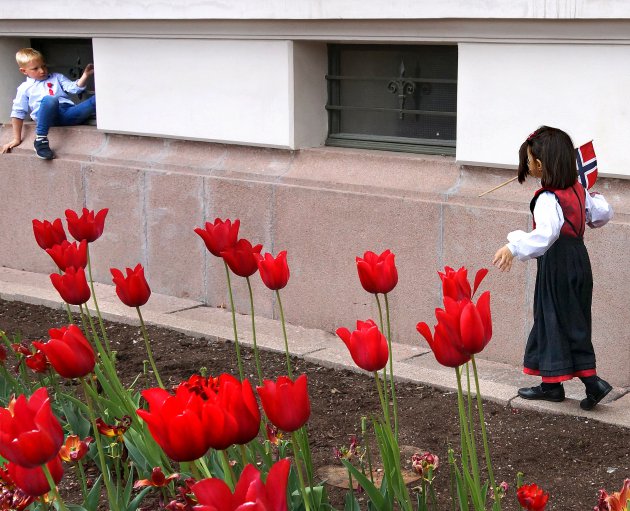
(499, 382)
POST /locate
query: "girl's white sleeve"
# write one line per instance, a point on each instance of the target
(598, 211)
(549, 219)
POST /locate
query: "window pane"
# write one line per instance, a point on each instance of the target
(393, 93)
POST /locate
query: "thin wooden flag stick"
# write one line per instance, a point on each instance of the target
(498, 186)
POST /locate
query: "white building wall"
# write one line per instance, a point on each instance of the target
(316, 9)
(505, 91)
(219, 90)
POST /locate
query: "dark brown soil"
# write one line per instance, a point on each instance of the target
(570, 457)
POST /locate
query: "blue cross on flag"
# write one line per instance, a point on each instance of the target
(586, 164)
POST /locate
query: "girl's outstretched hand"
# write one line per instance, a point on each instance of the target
(503, 258)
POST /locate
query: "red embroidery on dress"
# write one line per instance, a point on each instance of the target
(50, 91)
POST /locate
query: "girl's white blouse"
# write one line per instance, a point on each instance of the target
(549, 219)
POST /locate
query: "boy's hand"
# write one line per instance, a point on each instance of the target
(6, 148)
(503, 259)
(89, 70)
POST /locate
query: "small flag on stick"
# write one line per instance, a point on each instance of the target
(586, 164)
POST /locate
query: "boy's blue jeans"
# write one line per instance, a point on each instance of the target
(51, 113)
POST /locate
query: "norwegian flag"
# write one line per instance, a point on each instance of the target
(586, 164)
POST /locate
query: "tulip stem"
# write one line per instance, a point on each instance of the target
(147, 344)
(98, 312)
(380, 317)
(84, 490)
(238, 347)
(256, 355)
(16, 384)
(391, 367)
(228, 473)
(53, 488)
(99, 447)
(484, 435)
(473, 442)
(380, 395)
(305, 496)
(284, 332)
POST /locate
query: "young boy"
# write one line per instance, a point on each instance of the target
(46, 96)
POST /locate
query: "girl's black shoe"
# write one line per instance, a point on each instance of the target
(595, 393)
(555, 394)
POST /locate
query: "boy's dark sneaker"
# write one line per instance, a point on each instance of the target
(42, 149)
(555, 394)
(595, 393)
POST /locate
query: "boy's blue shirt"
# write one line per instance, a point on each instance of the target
(31, 92)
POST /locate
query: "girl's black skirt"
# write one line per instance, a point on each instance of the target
(559, 345)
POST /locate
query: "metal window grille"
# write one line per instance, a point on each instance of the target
(401, 98)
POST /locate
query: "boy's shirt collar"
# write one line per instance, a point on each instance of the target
(28, 78)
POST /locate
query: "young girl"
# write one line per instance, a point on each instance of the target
(559, 346)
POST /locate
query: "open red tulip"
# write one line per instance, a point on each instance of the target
(220, 235)
(88, 226)
(68, 351)
(47, 234)
(367, 345)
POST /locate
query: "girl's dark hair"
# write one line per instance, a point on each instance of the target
(554, 148)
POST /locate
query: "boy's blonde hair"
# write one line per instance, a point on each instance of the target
(26, 55)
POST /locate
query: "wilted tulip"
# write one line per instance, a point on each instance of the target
(377, 273)
(30, 435)
(286, 403)
(72, 286)
(68, 351)
(618, 501)
(88, 226)
(47, 234)
(367, 345)
(158, 479)
(250, 493)
(37, 362)
(74, 449)
(133, 289)
(220, 235)
(116, 430)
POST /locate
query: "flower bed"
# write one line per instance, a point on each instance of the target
(208, 413)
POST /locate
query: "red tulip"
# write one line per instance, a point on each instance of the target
(72, 286)
(232, 413)
(532, 498)
(463, 329)
(286, 403)
(377, 273)
(176, 422)
(3, 354)
(367, 345)
(87, 226)
(47, 234)
(74, 449)
(66, 254)
(30, 435)
(68, 351)
(455, 284)
(274, 272)
(242, 258)
(250, 493)
(219, 236)
(32, 481)
(133, 289)
(446, 342)
(476, 325)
